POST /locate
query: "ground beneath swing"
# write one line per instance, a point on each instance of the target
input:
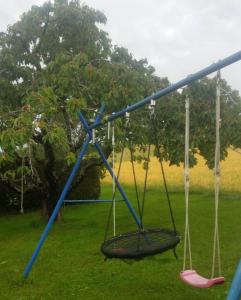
(71, 265)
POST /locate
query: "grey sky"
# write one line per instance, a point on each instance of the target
(177, 37)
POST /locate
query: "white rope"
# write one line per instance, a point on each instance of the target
(187, 243)
(22, 182)
(216, 247)
(113, 181)
(30, 160)
(93, 136)
(108, 130)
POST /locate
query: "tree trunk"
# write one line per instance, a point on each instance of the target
(52, 191)
(85, 186)
(48, 206)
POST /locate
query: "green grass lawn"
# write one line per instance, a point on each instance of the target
(70, 265)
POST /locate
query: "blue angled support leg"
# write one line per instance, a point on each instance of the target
(235, 290)
(108, 167)
(57, 208)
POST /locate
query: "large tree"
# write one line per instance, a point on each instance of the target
(54, 62)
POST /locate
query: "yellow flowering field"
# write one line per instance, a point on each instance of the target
(200, 175)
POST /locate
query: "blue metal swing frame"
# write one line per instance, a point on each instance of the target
(235, 290)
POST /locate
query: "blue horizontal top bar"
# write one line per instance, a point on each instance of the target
(189, 79)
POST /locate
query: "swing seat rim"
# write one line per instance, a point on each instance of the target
(173, 240)
(192, 278)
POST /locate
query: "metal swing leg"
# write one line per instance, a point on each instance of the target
(235, 290)
(60, 200)
(57, 208)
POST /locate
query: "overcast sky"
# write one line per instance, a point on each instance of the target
(177, 37)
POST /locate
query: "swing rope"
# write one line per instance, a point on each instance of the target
(127, 137)
(22, 187)
(134, 177)
(114, 194)
(191, 276)
(113, 180)
(145, 182)
(187, 243)
(216, 246)
(159, 156)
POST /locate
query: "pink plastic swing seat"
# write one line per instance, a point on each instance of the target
(191, 277)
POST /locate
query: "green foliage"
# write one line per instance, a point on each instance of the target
(56, 61)
(202, 118)
(71, 158)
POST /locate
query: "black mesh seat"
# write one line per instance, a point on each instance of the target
(139, 244)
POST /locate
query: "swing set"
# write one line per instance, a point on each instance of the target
(150, 241)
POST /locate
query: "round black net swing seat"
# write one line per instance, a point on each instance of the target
(139, 244)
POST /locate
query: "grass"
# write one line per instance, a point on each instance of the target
(70, 265)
